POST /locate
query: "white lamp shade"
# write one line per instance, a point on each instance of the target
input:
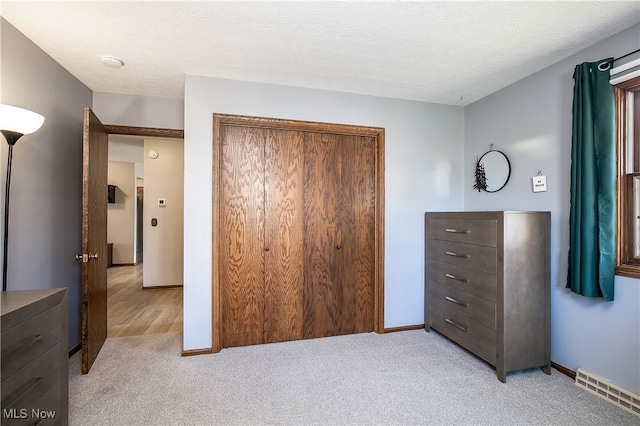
(19, 120)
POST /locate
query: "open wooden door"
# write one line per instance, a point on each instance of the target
(95, 149)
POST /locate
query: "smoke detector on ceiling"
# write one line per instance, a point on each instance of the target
(112, 62)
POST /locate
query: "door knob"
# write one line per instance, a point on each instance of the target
(338, 247)
(86, 257)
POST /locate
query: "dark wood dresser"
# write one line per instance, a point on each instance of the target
(35, 378)
(487, 285)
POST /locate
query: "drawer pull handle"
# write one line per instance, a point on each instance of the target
(26, 343)
(452, 300)
(454, 254)
(456, 231)
(453, 277)
(22, 391)
(458, 326)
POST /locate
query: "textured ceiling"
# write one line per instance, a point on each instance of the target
(435, 51)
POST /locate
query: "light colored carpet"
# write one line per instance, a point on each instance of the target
(409, 377)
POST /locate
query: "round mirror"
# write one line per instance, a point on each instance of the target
(497, 170)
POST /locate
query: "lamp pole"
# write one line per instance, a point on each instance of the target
(12, 138)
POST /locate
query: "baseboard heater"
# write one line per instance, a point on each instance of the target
(597, 385)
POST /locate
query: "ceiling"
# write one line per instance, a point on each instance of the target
(433, 51)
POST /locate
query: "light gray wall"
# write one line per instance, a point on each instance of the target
(424, 144)
(139, 111)
(531, 122)
(46, 183)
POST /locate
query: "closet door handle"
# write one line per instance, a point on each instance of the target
(456, 325)
(453, 277)
(338, 247)
(454, 254)
(452, 300)
(456, 231)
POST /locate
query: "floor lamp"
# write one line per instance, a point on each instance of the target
(14, 123)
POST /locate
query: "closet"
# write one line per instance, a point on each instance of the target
(298, 230)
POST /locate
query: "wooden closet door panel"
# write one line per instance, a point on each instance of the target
(322, 299)
(356, 261)
(284, 229)
(344, 288)
(242, 239)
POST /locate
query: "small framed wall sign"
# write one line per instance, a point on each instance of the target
(539, 183)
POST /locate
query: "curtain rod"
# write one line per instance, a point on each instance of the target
(604, 66)
(628, 54)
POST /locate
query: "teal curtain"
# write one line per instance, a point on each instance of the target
(593, 183)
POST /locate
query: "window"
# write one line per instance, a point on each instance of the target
(628, 185)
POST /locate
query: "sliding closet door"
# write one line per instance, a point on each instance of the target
(241, 241)
(284, 229)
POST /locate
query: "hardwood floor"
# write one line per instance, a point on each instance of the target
(132, 311)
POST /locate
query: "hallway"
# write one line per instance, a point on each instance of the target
(132, 311)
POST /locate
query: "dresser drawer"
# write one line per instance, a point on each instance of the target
(36, 386)
(472, 231)
(465, 331)
(26, 340)
(471, 256)
(460, 302)
(481, 284)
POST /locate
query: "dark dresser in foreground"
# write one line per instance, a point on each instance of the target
(35, 378)
(487, 285)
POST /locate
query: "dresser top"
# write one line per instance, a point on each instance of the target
(490, 212)
(19, 305)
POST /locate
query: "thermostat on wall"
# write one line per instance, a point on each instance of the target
(162, 202)
(153, 154)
